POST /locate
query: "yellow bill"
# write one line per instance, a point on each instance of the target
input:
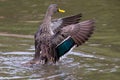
(60, 10)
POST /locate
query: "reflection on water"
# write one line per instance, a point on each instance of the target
(99, 58)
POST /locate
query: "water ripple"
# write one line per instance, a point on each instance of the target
(11, 68)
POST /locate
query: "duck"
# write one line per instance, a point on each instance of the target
(55, 37)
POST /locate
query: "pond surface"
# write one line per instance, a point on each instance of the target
(97, 59)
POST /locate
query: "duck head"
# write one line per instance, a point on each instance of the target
(53, 8)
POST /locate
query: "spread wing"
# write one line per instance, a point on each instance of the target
(62, 22)
(75, 34)
(79, 32)
(82, 31)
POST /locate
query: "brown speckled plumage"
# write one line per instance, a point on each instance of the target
(53, 32)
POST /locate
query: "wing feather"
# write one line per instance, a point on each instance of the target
(84, 31)
(63, 22)
(79, 32)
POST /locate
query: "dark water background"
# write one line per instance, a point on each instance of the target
(98, 59)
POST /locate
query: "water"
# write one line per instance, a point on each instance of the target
(97, 59)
